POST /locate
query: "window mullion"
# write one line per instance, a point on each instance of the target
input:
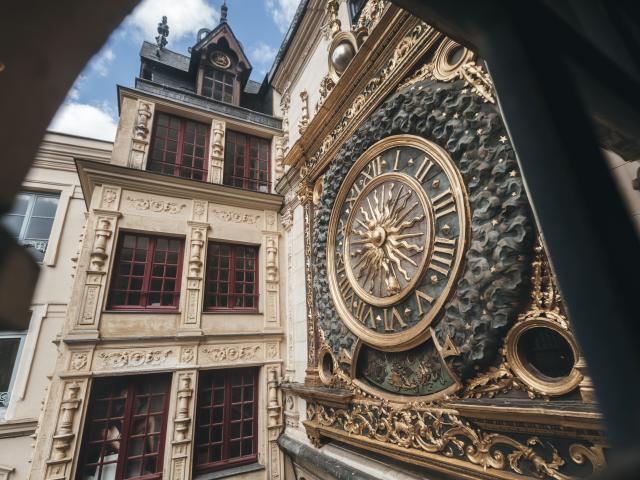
(179, 148)
(148, 268)
(247, 161)
(227, 417)
(27, 217)
(232, 276)
(124, 434)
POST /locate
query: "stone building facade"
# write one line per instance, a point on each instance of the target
(48, 217)
(171, 351)
(332, 274)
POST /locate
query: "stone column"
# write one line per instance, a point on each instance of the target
(274, 423)
(194, 264)
(65, 438)
(272, 269)
(305, 195)
(101, 230)
(287, 223)
(216, 158)
(141, 135)
(182, 437)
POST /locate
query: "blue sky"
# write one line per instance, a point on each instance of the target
(90, 108)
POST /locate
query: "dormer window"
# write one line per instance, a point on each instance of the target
(217, 84)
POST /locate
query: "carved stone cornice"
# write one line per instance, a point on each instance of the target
(375, 52)
(93, 174)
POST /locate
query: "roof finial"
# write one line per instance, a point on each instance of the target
(163, 30)
(223, 12)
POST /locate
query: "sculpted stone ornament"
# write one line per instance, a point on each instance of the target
(396, 239)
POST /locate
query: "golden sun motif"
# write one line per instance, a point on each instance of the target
(383, 246)
(387, 235)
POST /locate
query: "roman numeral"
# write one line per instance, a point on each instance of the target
(423, 169)
(422, 296)
(345, 287)
(363, 313)
(443, 203)
(390, 320)
(395, 163)
(443, 251)
(352, 199)
(374, 168)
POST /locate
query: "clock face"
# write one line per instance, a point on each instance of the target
(397, 236)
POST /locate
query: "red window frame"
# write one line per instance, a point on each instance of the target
(125, 404)
(214, 76)
(226, 419)
(236, 289)
(179, 147)
(143, 272)
(247, 162)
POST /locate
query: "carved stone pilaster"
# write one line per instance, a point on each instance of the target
(279, 160)
(141, 134)
(183, 426)
(216, 162)
(274, 422)
(272, 304)
(305, 195)
(192, 311)
(304, 117)
(64, 438)
(103, 233)
(104, 227)
(285, 102)
(287, 223)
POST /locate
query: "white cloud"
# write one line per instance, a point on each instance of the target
(263, 54)
(282, 12)
(102, 62)
(185, 17)
(85, 120)
(74, 92)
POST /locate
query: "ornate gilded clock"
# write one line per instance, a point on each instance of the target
(396, 239)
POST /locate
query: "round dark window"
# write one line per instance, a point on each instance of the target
(545, 352)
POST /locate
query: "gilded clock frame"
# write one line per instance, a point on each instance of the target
(418, 333)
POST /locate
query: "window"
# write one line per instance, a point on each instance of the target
(247, 162)
(217, 84)
(232, 277)
(146, 273)
(31, 219)
(355, 7)
(10, 349)
(125, 428)
(179, 147)
(227, 419)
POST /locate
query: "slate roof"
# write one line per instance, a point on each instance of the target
(252, 87)
(167, 57)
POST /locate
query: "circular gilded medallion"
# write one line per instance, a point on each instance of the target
(396, 239)
(220, 59)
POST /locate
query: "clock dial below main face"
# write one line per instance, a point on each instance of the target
(396, 239)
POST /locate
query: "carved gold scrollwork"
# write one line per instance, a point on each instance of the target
(429, 429)
(514, 372)
(451, 61)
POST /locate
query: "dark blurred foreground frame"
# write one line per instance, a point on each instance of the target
(567, 75)
(43, 48)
